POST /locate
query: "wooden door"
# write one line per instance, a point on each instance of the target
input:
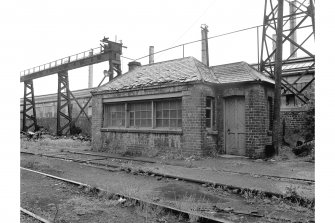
(235, 125)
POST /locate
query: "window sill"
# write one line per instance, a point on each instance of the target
(211, 132)
(142, 130)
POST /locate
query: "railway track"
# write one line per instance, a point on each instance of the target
(113, 168)
(34, 216)
(201, 217)
(149, 161)
(91, 163)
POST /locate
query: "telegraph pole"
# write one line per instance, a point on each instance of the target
(277, 73)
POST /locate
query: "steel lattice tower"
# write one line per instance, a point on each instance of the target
(298, 57)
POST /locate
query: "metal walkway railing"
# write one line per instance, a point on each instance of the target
(65, 60)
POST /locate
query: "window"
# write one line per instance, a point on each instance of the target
(140, 114)
(114, 115)
(290, 100)
(168, 114)
(209, 112)
(270, 112)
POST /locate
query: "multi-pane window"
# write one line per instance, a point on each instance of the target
(114, 115)
(168, 114)
(140, 114)
(209, 112)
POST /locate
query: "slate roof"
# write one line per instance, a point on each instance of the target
(238, 72)
(183, 70)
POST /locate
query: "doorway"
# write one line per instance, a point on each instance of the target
(234, 125)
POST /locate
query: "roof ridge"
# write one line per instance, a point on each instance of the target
(228, 64)
(252, 70)
(195, 64)
(166, 61)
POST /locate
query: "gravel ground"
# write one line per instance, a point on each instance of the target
(61, 202)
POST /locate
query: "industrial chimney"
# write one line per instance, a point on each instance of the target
(293, 23)
(204, 44)
(133, 65)
(151, 55)
(90, 73)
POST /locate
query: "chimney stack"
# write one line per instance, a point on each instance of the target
(151, 55)
(293, 23)
(133, 65)
(90, 73)
(204, 45)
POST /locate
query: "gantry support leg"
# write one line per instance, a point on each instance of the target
(29, 111)
(63, 102)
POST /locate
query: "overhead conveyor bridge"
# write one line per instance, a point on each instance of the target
(108, 51)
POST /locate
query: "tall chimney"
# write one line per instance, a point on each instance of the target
(204, 44)
(151, 55)
(274, 37)
(293, 23)
(90, 73)
(133, 65)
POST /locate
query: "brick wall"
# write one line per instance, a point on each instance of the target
(142, 143)
(194, 137)
(256, 116)
(256, 120)
(294, 119)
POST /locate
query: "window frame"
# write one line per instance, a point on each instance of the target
(105, 119)
(212, 112)
(128, 111)
(179, 100)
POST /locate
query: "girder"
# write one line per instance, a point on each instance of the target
(305, 10)
(29, 120)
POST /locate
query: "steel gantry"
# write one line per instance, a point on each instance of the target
(29, 111)
(108, 51)
(297, 15)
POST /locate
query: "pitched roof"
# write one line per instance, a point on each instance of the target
(182, 70)
(238, 72)
(174, 71)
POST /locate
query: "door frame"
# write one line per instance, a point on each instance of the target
(224, 119)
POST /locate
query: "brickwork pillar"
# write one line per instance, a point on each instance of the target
(255, 120)
(192, 121)
(97, 121)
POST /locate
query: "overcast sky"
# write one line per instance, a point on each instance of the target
(49, 30)
(53, 30)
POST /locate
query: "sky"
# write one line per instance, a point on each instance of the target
(35, 32)
(53, 30)
(49, 31)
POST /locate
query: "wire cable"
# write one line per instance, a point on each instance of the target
(224, 34)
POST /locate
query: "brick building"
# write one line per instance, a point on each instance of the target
(184, 107)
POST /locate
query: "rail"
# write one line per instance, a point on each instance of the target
(65, 60)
